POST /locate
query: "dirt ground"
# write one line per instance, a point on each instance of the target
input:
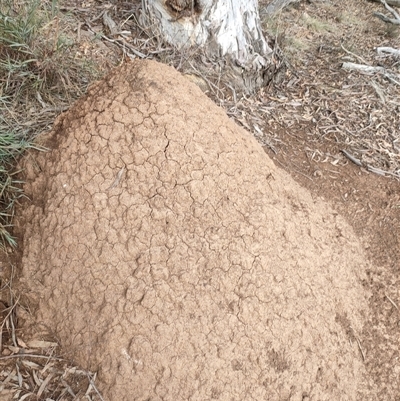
(369, 202)
(314, 93)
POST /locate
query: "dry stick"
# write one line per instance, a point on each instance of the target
(367, 69)
(361, 350)
(369, 168)
(2, 358)
(388, 51)
(392, 10)
(119, 42)
(381, 172)
(391, 301)
(352, 158)
(379, 91)
(395, 3)
(353, 54)
(94, 386)
(13, 336)
(384, 18)
(4, 322)
(395, 21)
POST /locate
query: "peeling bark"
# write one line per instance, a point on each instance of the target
(223, 29)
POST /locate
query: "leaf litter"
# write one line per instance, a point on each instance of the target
(33, 370)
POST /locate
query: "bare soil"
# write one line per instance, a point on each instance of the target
(369, 202)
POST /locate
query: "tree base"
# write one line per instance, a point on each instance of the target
(227, 34)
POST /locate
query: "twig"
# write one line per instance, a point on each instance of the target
(395, 3)
(9, 316)
(361, 350)
(379, 91)
(352, 158)
(368, 167)
(367, 69)
(353, 54)
(119, 42)
(94, 386)
(379, 171)
(383, 17)
(2, 358)
(391, 301)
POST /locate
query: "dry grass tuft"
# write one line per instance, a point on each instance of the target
(39, 78)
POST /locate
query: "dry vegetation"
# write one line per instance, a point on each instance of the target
(41, 73)
(355, 112)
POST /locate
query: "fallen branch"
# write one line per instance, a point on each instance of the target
(366, 69)
(368, 167)
(385, 51)
(395, 20)
(352, 54)
(384, 18)
(370, 70)
(352, 158)
(395, 3)
(391, 10)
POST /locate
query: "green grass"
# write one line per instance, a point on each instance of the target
(12, 144)
(39, 76)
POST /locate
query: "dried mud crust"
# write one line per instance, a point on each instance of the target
(166, 251)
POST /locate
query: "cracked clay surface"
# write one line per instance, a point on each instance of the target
(167, 252)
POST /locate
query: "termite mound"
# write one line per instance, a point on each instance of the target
(166, 251)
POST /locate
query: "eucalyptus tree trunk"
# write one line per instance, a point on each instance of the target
(225, 29)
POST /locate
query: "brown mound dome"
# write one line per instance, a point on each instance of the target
(167, 252)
